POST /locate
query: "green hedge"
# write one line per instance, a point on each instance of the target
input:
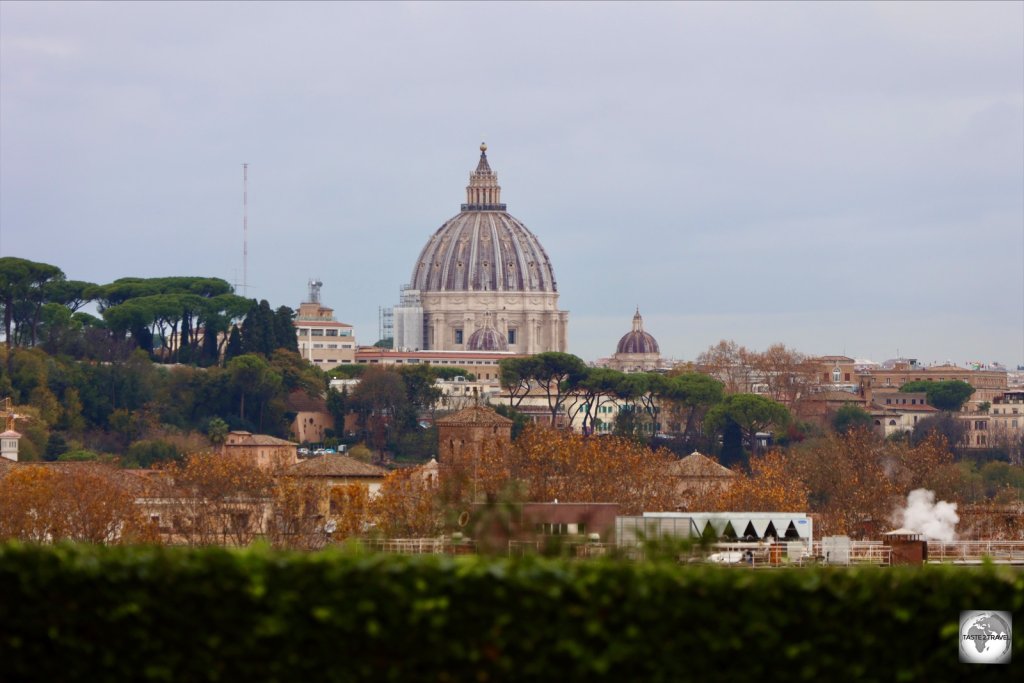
(80, 613)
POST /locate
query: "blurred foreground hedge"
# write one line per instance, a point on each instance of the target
(80, 613)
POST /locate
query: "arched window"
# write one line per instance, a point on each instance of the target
(837, 375)
(892, 423)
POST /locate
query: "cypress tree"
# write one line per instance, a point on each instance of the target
(234, 348)
(284, 329)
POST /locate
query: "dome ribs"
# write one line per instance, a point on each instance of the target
(483, 248)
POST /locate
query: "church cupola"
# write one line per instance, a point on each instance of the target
(483, 192)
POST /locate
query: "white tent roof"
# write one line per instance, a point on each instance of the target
(781, 520)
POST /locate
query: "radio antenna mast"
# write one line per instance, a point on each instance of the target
(245, 229)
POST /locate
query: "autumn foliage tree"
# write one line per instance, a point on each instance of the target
(349, 509)
(88, 502)
(219, 498)
(407, 506)
(547, 464)
(299, 518)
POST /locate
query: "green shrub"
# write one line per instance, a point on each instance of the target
(80, 613)
(80, 455)
(148, 452)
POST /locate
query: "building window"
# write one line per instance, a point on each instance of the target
(556, 529)
(332, 333)
(318, 333)
(512, 336)
(837, 375)
(458, 335)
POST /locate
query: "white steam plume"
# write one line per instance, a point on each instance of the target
(936, 521)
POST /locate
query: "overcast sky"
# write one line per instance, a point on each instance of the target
(839, 177)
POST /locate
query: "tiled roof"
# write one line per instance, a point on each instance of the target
(699, 465)
(248, 439)
(908, 408)
(301, 402)
(335, 465)
(307, 322)
(833, 395)
(474, 415)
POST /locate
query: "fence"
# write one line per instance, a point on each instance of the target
(975, 552)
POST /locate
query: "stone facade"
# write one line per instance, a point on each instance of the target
(988, 384)
(267, 452)
(312, 419)
(463, 436)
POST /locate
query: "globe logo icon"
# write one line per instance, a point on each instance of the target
(986, 637)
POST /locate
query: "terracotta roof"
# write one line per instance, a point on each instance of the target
(336, 465)
(905, 408)
(474, 415)
(699, 465)
(131, 479)
(833, 395)
(249, 439)
(301, 402)
(367, 352)
(313, 322)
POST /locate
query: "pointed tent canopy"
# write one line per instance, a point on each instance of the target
(781, 525)
(719, 524)
(760, 526)
(762, 522)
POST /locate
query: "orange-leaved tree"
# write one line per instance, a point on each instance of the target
(848, 482)
(220, 498)
(407, 506)
(555, 464)
(771, 485)
(87, 501)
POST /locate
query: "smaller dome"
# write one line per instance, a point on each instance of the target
(487, 338)
(638, 341)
